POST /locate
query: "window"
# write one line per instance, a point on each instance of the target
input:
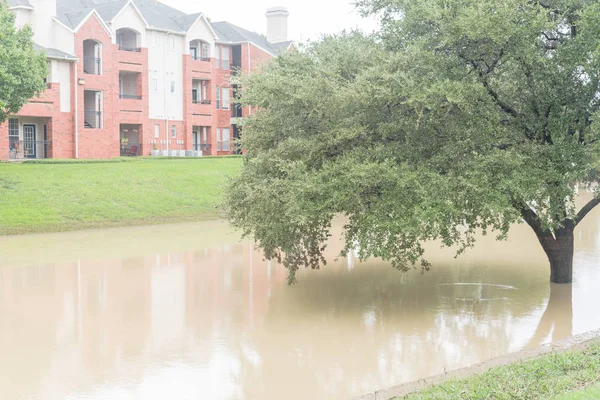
(225, 57)
(218, 139)
(156, 130)
(154, 38)
(205, 50)
(48, 78)
(194, 53)
(225, 99)
(172, 86)
(154, 85)
(13, 133)
(218, 56)
(203, 134)
(172, 42)
(225, 136)
(195, 95)
(218, 98)
(173, 131)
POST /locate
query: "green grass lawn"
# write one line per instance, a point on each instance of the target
(592, 392)
(58, 197)
(564, 376)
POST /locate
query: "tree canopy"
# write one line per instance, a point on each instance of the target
(22, 68)
(458, 116)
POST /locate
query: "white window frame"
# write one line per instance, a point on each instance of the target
(225, 99)
(156, 130)
(219, 139)
(225, 144)
(11, 129)
(225, 57)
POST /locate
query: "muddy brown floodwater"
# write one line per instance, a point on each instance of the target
(190, 312)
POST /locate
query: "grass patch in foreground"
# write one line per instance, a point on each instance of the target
(544, 378)
(592, 392)
(59, 197)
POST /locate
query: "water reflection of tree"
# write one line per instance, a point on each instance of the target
(557, 318)
(394, 327)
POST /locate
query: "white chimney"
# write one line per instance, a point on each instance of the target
(277, 30)
(43, 11)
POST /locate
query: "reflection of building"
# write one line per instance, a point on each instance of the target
(212, 313)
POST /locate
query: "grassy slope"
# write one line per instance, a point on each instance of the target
(544, 378)
(56, 197)
(586, 394)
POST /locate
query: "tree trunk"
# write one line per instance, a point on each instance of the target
(559, 250)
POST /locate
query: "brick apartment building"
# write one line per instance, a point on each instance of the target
(127, 77)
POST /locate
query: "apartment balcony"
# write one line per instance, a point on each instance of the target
(130, 84)
(130, 48)
(92, 57)
(200, 63)
(205, 148)
(29, 149)
(129, 97)
(46, 104)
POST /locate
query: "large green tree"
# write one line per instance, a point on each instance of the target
(22, 68)
(459, 116)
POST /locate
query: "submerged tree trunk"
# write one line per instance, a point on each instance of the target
(559, 250)
(558, 245)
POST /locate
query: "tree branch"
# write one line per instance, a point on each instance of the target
(586, 209)
(530, 217)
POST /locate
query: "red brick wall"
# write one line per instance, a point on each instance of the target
(105, 142)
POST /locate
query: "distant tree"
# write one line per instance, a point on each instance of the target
(461, 116)
(22, 68)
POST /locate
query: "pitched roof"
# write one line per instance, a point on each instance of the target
(17, 3)
(55, 53)
(230, 33)
(157, 15)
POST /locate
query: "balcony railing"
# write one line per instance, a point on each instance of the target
(131, 149)
(92, 65)
(223, 146)
(200, 58)
(23, 149)
(131, 49)
(130, 96)
(204, 147)
(198, 101)
(93, 120)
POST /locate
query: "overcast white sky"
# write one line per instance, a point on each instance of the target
(308, 18)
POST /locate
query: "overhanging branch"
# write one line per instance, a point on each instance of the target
(586, 209)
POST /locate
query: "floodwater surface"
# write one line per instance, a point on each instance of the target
(191, 312)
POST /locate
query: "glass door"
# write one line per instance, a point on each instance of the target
(29, 140)
(196, 139)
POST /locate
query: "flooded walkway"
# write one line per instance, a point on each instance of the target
(190, 312)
